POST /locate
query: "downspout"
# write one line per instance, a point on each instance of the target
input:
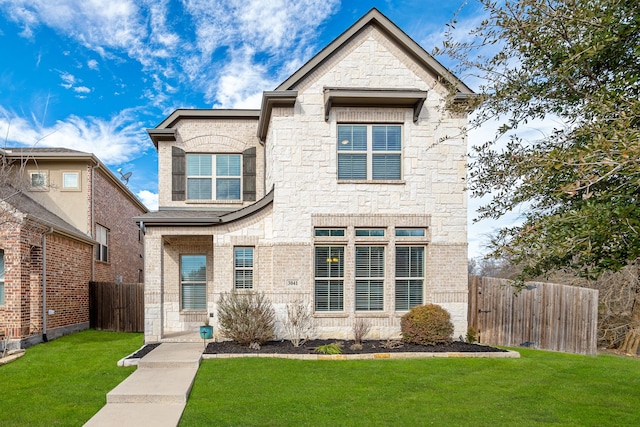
(92, 219)
(44, 284)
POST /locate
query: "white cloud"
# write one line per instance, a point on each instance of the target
(81, 89)
(68, 80)
(149, 199)
(93, 64)
(114, 141)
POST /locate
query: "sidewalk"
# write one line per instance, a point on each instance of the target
(156, 393)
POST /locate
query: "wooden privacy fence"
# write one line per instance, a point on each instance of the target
(545, 316)
(116, 307)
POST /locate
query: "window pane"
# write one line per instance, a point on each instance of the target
(70, 180)
(369, 294)
(372, 232)
(193, 296)
(244, 257)
(386, 138)
(199, 189)
(228, 189)
(329, 295)
(193, 268)
(199, 165)
(244, 279)
(329, 232)
(329, 261)
(409, 277)
(410, 232)
(369, 261)
(38, 180)
(352, 138)
(228, 165)
(386, 166)
(352, 166)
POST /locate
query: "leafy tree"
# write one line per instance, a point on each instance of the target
(577, 61)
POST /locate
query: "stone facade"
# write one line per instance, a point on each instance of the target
(296, 178)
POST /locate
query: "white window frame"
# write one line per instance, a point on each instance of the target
(65, 187)
(369, 287)
(399, 279)
(199, 286)
(369, 153)
(243, 268)
(214, 177)
(102, 248)
(334, 283)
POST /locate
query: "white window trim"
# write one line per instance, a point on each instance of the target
(252, 268)
(78, 187)
(213, 177)
(369, 152)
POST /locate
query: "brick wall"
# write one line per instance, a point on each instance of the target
(115, 211)
(68, 266)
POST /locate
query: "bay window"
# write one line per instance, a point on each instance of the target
(329, 278)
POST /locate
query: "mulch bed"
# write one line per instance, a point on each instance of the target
(369, 346)
(143, 351)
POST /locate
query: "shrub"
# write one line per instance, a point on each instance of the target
(299, 323)
(360, 329)
(471, 335)
(247, 318)
(333, 348)
(427, 325)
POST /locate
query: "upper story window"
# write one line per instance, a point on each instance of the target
(369, 152)
(71, 180)
(214, 176)
(102, 248)
(38, 180)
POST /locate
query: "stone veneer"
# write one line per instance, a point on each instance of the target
(298, 160)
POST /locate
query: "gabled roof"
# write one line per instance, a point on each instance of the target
(36, 212)
(391, 30)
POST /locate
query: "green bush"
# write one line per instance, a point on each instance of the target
(247, 318)
(333, 348)
(427, 325)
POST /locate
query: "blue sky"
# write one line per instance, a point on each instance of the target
(92, 75)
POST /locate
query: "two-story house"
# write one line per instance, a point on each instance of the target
(65, 220)
(345, 190)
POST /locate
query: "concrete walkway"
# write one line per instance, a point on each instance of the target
(156, 393)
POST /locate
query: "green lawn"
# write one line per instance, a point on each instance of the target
(65, 381)
(541, 388)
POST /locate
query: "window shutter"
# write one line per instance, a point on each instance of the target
(249, 174)
(177, 174)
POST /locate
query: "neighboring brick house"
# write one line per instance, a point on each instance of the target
(65, 214)
(346, 191)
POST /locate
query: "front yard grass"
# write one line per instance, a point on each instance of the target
(541, 388)
(65, 381)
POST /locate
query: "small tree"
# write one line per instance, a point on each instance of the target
(247, 318)
(299, 323)
(360, 329)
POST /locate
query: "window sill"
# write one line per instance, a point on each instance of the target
(371, 314)
(367, 181)
(329, 314)
(214, 202)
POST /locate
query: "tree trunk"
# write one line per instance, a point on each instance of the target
(632, 339)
